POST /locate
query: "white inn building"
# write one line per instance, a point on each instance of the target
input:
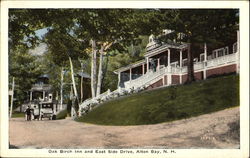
(165, 64)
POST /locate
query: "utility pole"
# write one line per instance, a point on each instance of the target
(12, 96)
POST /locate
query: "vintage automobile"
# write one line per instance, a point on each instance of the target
(46, 110)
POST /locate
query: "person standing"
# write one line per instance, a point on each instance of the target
(28, 114)
(36, 113)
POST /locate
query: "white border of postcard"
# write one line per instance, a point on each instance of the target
(194, 153)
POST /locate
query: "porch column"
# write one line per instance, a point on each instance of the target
(169, 68)
(30, 95)
(238, 53)
(119, 79)
(158, 63)
(205, 52)
(130, 74)
(205, 61)
(181, 58)
(143, 69)
(180, 67)
(43, 95)
(169, 81)
(147, 64)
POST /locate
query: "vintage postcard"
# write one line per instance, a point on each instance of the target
(124, 79)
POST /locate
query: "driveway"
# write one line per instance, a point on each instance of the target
(216, 130)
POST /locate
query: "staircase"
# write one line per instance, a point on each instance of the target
(147, 79)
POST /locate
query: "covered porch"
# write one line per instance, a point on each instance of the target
(156, 62)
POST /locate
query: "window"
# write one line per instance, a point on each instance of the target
(220, 52)
(174, 64)
(214, 54)
(209, 57)
(184, 62)
(234, 47)
(202, 57)
(226, 51)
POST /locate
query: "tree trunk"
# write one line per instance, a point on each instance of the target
(190, 66)
(75, 98)
(61, 90)
(81, 88)
(105, 69)
(12, 96)
(93, 69)
(99, 83)
(72, 77)
(81, 82)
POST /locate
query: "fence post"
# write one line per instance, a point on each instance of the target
(12, 96)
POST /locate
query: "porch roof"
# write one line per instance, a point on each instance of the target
(133, 65)
(164, 47)
(41, 87)
(83, 74)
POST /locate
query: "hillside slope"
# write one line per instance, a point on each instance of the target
(168, 104)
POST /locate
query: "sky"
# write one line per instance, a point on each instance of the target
(41, 32)
(41, 48)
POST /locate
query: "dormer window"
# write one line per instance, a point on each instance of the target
(152, 43)
(151, 38)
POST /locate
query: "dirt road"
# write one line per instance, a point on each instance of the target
(216, 130)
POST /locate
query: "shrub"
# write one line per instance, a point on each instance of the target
(61, 115)
(183, 115)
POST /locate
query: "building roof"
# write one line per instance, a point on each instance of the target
(41, 87)
(138, 63)
(44, 76)
(163, 47)
(83, 74)
(154, 47)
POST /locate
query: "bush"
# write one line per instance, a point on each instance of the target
(62, 115)
(183, 115)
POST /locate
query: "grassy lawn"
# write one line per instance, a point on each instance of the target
(18, 114)
(168, 104)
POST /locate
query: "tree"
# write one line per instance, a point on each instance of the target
(22, 28)
(72, 31)
(106, 27)
(24, 22)
(25, 68)
(103, 27)
(64, 47)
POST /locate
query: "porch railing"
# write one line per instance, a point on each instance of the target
(150, 76)
(145, 78)
(227, 59)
